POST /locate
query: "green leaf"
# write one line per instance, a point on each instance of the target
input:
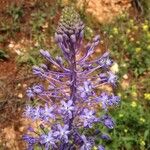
(3, 55)
(146, 134)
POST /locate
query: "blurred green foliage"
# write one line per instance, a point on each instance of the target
(132, 130)
(146, 7)
(128, 40)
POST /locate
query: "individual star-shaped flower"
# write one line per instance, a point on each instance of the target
(88, 118)
(86, 90)
(29, 111)
(107, 121)
(62, 132)
(47, 113)
(105, 61)
(38, 89)
(67, 108)
(48, 140)
(103, 98)
(112, 78)
(30, 93)
(113, 100)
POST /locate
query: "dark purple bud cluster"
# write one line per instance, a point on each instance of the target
(66, 107)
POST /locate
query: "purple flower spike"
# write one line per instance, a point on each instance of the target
(66, 105)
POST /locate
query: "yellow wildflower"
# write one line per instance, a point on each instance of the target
(89, 30)
(134, 104)
(111, 36)
(121, 115)
(146, 21)
(138, 49)
(125, 130)
(131, 21)
(142, 143)
(128, 31)
(137, 42)
(122, 15)
(119, 94)
(148, 47)
(135, 27)
(124, 65)
(94, 148)
(134, 94)
(115, 31)
(142, 120)
(148, 35)
(145, 27)
(147, 96)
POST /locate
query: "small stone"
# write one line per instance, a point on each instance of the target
(102, 42)
(37, 44)
(19, 85)
(21, 129)
(124, 65)
(125, 84)
(114, 68)
(24, 85)
(20, 95)
(125, 76)
(11, 45)
(45, 26)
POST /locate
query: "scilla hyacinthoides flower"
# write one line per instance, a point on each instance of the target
(65, 109)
